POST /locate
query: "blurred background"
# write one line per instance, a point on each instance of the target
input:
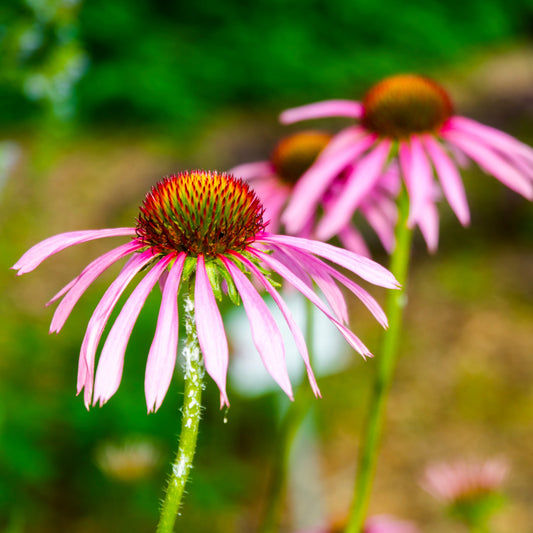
(100, 99)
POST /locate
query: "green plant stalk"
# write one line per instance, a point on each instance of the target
(191, 413)
(396, 301)
(290, 425)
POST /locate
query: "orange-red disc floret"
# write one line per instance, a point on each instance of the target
(294, 154)
(406, 104)
(200, 212)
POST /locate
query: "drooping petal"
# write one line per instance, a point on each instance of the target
(324, 281)
(111, 363)
(381, 223)
(428, 222)
(99, 319)
(492, 137)
(265, 333)
(450, 180)
(273, 196)
(257, 169)
(162, 356)
(297, 269)
(288, 275)
(210, 328)
(418, 177)
(342, 140)
(327, 108)
(352, 240)
(491, 162)
(368, 300)
(44, 249)
(362, 266)
(315, 181)
(86, 278)
(358, 184)
(293, 326)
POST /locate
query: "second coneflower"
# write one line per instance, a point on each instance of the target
(408, 118)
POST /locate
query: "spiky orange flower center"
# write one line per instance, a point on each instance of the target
(402, 105)
(200, 212)
(295, 154)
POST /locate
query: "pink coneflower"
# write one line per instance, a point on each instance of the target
(203, 228)
(409, 119)
(274, 180)
(463, 480)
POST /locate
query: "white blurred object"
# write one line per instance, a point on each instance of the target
(247, 374)
(9, 156)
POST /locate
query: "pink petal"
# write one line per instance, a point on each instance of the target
(370, 303)
(210, 328)
(44, 249)
(273, 196)
(162, 356)
(418, 177)
(315, 181)
(428, 223)
(358, 185)
(342, 140)
(111, 363)
(491, 162)
(79, 285)
(294, 280)
(257, 169)
(362, 266)
(352, 240)
(99, 319)
(325, 283)
(295, 330)
(382, 224)
(265, 333)
(492, 137)
(288, 260)
(327, 108)
(450, 180)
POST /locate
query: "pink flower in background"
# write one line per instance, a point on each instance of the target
(463, 480)
(275, 179)
(408, 119)
(211, 224)
(374, 524)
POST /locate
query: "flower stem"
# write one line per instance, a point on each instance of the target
(290, 424)
(191, 411)
(396, 301)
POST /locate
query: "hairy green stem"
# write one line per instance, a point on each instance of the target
(396, 301)
(191, 412)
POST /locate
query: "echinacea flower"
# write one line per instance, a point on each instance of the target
(207, 227)
(409, 119)
(274, 180)
(463, 480)
(470, 490)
